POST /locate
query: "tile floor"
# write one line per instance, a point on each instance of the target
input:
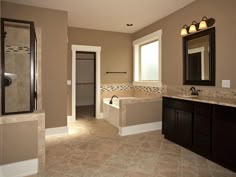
(85, 111)
(93, 149)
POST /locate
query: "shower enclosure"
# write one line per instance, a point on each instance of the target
(18, 66)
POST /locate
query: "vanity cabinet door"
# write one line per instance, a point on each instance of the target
(184, 128)
(224, 136)
(202, 128)
(177, 121)
(169, 123)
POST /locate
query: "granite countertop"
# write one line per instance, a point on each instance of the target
(204, 99)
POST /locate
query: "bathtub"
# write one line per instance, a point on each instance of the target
(112, 111)
(133, 115)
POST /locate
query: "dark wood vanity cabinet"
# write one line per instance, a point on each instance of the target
(224, 136)
(207, 129)
(177, 121)
(202, 128)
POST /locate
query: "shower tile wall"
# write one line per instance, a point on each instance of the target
(17, 63)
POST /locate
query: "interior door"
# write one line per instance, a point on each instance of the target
(194, 66)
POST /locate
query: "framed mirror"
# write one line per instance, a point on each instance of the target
(199, 58)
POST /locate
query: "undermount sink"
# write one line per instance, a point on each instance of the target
(189, 96)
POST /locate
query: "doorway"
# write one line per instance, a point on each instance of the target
(85, 84)
(97, 51)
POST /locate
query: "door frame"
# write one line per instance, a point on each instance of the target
(86, 48)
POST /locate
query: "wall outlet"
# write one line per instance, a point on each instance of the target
(225, 83)
(68, 82)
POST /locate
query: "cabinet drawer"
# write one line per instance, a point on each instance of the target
(203, 109)
(178, 104)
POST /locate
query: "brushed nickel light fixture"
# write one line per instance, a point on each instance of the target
(194, 27)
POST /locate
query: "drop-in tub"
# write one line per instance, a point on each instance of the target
(133, 115)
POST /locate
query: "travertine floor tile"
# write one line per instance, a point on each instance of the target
(166, 170)
(136, 174)
(94, 149)
(172, 158)
(145, 166)
(193, 161)
(118, 161)
(215, 167)
(171, 148)
(96, 157)
(194, 172)
(106, 171)
(222, 174)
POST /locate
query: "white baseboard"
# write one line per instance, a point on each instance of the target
(19, 169)
(57, 131)
(100, 116)
(135, 129)
(70, 118)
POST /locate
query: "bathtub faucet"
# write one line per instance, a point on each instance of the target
(110, 102)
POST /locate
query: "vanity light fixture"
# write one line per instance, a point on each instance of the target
(203, 23)
(194, 27)
(184, 30)
(129, 24)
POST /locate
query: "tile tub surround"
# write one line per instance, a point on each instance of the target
(124, 103)
(36, 116)
(129, 90)
(93, 149)
(132, 115)
(121, 90)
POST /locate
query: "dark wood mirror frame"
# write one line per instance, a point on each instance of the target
(211, 82)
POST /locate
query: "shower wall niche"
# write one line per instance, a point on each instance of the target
(18, 66)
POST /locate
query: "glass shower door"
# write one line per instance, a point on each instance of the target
(17, 68)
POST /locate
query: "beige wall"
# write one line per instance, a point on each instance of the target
(53, 25)
(20, 142)
(116, 54)
(172, 62)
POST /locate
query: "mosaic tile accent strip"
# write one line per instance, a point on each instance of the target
(17, 49)
(122, 87)
(116, 88)
(149, 89)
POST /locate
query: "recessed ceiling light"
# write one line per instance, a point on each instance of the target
(129, 24)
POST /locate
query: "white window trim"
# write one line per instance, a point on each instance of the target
(136, 44)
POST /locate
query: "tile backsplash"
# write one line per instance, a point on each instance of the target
(128, 89)
(204, 91)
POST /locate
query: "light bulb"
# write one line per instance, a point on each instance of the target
(203, 23)
(193, 28)
(184, 30)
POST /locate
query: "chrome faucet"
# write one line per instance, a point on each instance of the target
(110, 102)
(194, 91)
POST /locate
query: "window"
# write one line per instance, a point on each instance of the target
(147, 59)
